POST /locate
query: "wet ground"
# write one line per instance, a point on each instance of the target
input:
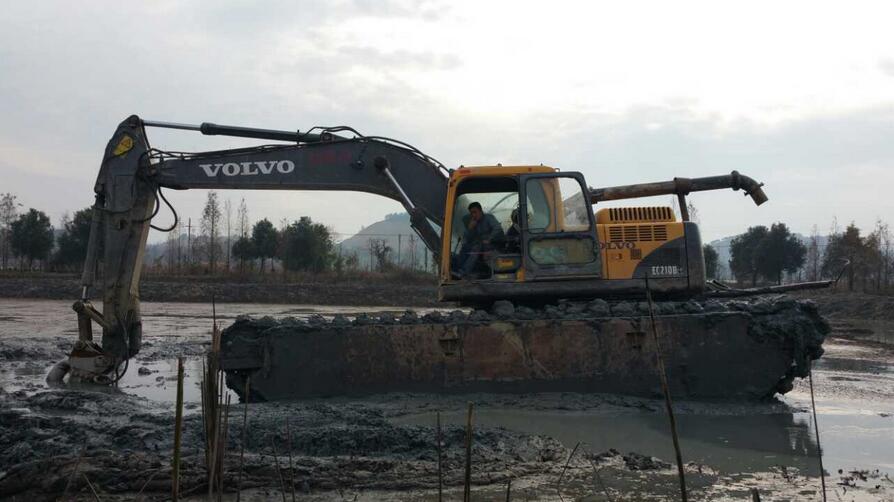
(384, 447)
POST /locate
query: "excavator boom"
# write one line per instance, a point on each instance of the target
(133, 174)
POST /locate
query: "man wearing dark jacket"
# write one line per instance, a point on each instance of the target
(483, 232)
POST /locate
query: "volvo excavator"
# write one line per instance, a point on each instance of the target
(562, 308)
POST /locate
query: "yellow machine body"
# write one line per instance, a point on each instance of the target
(609, 252)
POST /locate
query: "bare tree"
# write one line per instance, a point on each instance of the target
(228, 210)
(379, 253)
(886, 253)
(211, 227)
(8, 214)
(411, 248)
(173, 247)
(814, 256)
(877, 242)
(693, 213)
(244, 224)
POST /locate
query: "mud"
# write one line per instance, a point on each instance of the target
(852, 305)
(383, 447)
(372, 290)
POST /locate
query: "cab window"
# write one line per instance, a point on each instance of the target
(556, 204)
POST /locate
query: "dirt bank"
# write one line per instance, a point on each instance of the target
(852, 305)
(372, 290)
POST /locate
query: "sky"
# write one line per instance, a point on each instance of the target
(798, 95)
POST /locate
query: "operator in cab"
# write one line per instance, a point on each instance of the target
(513, 235)
(482, 235)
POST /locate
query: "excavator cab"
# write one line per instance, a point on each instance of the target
(552, 235)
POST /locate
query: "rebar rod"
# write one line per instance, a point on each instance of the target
(467, 491)
(178, 433)
(662, 374)
(819, 448)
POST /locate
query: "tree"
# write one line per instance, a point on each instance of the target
(845, 248)
(380, 254)
(876, 244)
(814, 256)
(307, 246)
(779, 251)
(243, 218)
(71, 246)
(8, 214)
(693, 213)
(744, 254)
(211, 228)
(412, 246)
(32, 236)
(173, 247)
(244, 250)
(228, 210)
(351, 261)
(711, 259)
(885, 232)
(265, 238)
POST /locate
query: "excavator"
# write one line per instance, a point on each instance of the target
(558, 308)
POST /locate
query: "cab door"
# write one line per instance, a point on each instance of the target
(558, 227)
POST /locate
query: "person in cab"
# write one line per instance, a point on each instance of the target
(482, 235)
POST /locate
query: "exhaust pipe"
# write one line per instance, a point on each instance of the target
(682, 187)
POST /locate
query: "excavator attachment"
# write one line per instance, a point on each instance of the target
(739, 350)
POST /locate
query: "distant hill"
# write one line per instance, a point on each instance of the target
(398, 224)
(396, 231)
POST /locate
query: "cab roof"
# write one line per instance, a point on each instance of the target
(498, 170)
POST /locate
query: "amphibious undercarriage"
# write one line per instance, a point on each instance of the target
(739, 350)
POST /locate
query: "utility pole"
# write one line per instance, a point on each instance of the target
(179, 250)
(189, 241)
(398, 250)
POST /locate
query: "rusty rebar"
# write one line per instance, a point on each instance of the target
(92, 489)
(662, 374)
(601, 483)
(819, 448)
(74, 472)
(202, 387)
(440, 472)
(178, 434)
(467, 490)
(291, 468)
(562, 475)
(282, 482)
(244, 432)
(223, 449)
(214, 394)
(218, 431)
(148, 480)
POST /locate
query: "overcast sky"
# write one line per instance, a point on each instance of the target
(799, 95)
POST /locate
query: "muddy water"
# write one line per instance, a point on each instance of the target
(48, 328)
(854, 387)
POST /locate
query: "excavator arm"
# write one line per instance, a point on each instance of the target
(129, 193)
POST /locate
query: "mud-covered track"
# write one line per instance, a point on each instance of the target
(713, 350)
